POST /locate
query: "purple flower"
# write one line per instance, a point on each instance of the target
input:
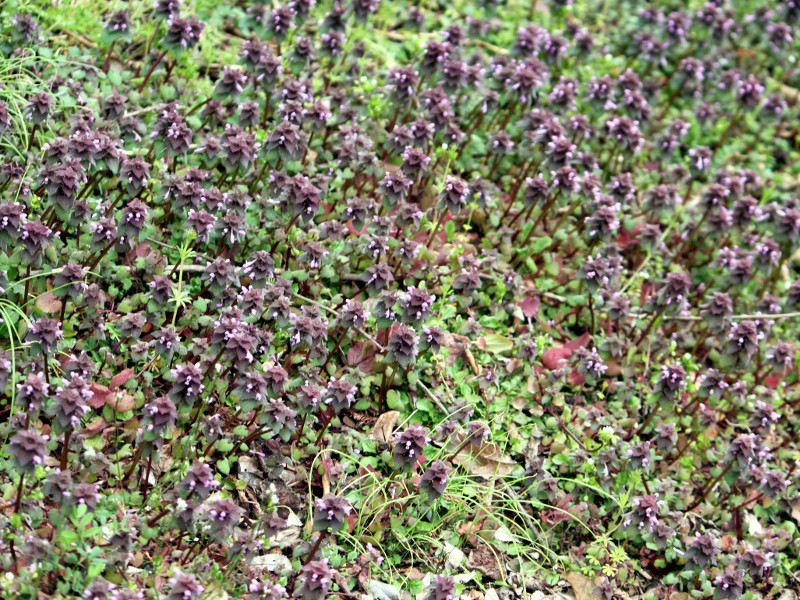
(159, 416)
(45, 334)
(674, 291)
(183, 34)
(442, 588)
(230, 84)
(702, 551)
(287, 140)
(340, 394)
(199, 481)
(315, 579)
(408, 447)
(118, 25)
(86, 493)
(38, 108)
(58, 486)
(36, 237)
(223, 516)
(416, 305)
(188, 384)
(259, 268)
(27, 448)
(434, 479)
(184, 587)
(671, 382)
(640, 456)
(756, 563)
(395, 186)
(590, 363)
(100, 589)
(379, 276)
(748, 451)
(743, 342)
(402, 347)
(32, 392)
(132, 220)
(455, 194)
(729, 585)
(70, 407)
(331, 512)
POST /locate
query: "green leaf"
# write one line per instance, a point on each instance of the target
(394, 400)
(114, 78)
(96, 442)
(167, 92)
(498, 344)
(450, 230)
(224, 466)
(576, 300)
(540, 244)
(224, 445)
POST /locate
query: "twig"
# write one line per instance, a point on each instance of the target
(742, 317)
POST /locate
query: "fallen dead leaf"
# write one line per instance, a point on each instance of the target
(382, 431)
(121, 401)
(456, 344)
(48, 303)
(472, 362)
(584, 587)
(486, 461)
(795, 504)
(484, 559)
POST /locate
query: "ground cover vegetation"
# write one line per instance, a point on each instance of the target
(437, 300)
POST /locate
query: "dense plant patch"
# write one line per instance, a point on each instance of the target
(458, 299)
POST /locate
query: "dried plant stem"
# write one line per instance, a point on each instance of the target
(134, 461)
(710, 486)
(18, 503)
(65, 450)
(436, 229)
(314, 548)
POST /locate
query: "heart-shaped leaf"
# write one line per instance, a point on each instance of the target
(48, 303)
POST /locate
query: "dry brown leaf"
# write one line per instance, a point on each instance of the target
(484, 559)
(471, 360)
(48, 303)
(326, 478)
(456, 344)
(486, 461)
(584, 587)
(121, 401)
(795, 504)
(382, 431)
